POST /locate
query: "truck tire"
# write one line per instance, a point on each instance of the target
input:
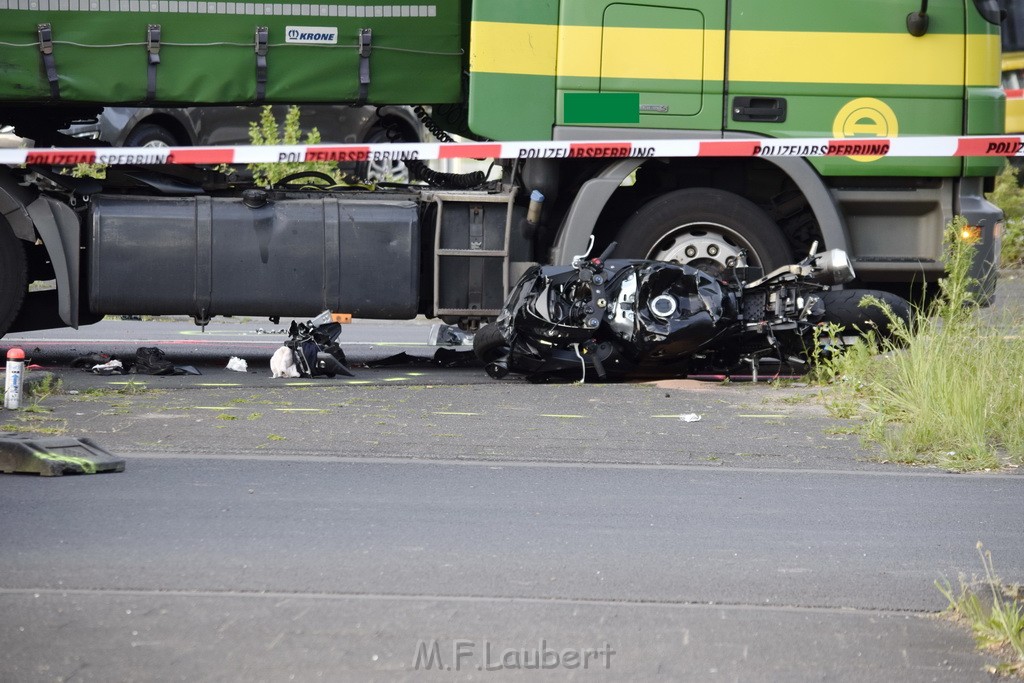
(150, 135)
(13, 276)
(842, 306)
(705, 228)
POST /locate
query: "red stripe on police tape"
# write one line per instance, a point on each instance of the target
(909, 146)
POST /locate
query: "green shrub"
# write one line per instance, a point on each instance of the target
(267, 131)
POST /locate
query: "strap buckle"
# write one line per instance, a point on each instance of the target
(45, 39)
(261, 46)
(153, 43)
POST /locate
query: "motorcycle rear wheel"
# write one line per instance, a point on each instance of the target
(486, 340)
(843, 307)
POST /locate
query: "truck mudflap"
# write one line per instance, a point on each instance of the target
(258, 255)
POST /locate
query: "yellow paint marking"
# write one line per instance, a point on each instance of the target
(417, 374)
(396, 379)
(358, 381)
(861, 58)
(444, 413)
(983, 61)
(579, 51)
(668, 54)
(876, 58)
(507, 48)
(568, 417)
(300, 384)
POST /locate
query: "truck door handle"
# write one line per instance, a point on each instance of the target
(763, 109)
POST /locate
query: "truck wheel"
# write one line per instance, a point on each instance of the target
(150, 135)
(704, 228)
(381, 171)
(13, 276)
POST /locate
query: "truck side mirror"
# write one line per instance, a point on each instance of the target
(917, 22)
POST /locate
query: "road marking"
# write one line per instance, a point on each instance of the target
(217, 384)
(262, 595)
(395, 379)
(300, 384)
(568, 417)
(445, 413)
(215, 408)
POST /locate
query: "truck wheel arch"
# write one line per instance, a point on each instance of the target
(583, 216)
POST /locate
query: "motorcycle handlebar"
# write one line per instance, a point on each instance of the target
(607, 252)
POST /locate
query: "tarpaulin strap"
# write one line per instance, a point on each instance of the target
(153, 58)
(46, 51)
(365, 43)
(262, 45)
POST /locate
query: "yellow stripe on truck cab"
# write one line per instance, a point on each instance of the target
(755, 56)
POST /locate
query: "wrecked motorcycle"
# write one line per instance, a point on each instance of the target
(603, 319)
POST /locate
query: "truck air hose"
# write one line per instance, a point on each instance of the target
(419, 170)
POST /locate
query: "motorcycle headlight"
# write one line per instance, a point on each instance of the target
(832, 268)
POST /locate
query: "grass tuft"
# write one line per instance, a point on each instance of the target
(945, 393)
(1009, 196)
(993, 612)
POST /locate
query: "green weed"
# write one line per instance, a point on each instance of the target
(266, 131)
(38, 390)
(995, 616)
(43, 388)
(39, 424)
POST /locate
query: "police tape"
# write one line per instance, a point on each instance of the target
(861, 149)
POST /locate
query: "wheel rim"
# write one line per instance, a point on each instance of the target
(711, 247)
(155, 143)
(387, 171)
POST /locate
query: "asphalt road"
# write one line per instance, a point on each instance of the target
(256, 569)
(415, 517)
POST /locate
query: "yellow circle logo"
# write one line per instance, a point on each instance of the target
(865, 117)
